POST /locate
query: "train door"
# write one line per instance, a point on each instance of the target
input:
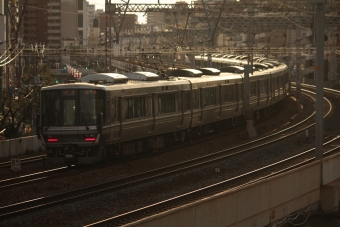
(111, 118)
(283, 85)
(219, 102)
(179, 101)
(151, 113)
(117, 124)
(68, 107)
(268, 89)
(184, 106)
(237, 97)
(278, 84)
(271, 89)
(108, 120)
(201, 106)
(258, 92)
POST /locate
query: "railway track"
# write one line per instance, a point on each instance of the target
(43, 203)
(249, 178)
(30, 178)
(330, 147)
(38, 158)
(62, 171)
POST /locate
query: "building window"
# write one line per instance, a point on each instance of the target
(80, 5)
(80, 20)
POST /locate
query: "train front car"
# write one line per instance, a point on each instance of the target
(71, 117)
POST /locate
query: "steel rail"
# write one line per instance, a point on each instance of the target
(43, 203)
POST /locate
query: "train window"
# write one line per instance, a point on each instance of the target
(252, 90)
(69, 106)
(263, 87)
(91, 105)
(134, 108)
(166, 103)
(228, 93)
(195, 99)
(50, 113)
(209, 97)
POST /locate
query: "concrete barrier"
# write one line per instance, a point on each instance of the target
(258, 204)
(262, 203)
(19, 146)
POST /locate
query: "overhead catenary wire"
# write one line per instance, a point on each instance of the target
(7, 62)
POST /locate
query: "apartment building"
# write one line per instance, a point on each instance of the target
(91, 15)
(167, 18)
(50, 22)
(33, 28)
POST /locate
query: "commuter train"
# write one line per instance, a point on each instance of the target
(107, 115)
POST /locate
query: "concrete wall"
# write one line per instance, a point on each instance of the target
(13, 147)
(331, 182)
(261, 203)
(258, 204)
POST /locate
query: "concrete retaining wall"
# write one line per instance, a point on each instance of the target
(258, 204)
(261, 203)
(13, 147)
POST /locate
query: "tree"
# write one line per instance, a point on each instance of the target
(18, 109)
(14, 114)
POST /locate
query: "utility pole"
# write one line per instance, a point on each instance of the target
(1, 86)
(106, 67)
(192, 43)
(110, 46)
(297, 64)
(333, 68)
(319, 75)
(33, 93)
(248, 113)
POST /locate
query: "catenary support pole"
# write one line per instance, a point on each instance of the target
(319, 75)
(248, 113)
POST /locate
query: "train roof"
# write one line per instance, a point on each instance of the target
(142, 75)
(275, 63)
(210, 71)
(182, 78)
(260, 66)
(105, 78)
(214, 78)
(232, 69)
(186, 73)
(77, 85)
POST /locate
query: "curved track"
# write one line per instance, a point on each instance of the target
(43, 203)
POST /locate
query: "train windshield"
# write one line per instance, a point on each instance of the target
(50, 108)
(71, 107)
(91, 105)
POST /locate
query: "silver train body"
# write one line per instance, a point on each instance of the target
(118, 115)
